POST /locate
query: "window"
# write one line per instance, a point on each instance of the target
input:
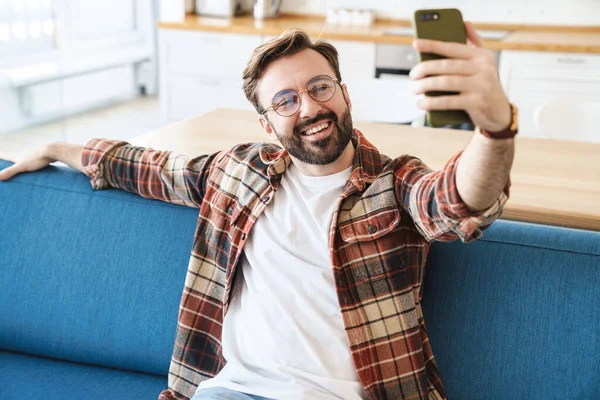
(26, 26)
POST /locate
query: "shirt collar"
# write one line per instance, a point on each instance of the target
(275, 158)
(365, 168)
(367, 162)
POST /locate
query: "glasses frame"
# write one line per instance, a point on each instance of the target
(272, 106)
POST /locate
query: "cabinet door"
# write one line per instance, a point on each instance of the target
(387, 100)
(372, 99)
(357, 59)
(532, 79)
(201, 71)
(529, 95)
(189, 96)
(206, 53)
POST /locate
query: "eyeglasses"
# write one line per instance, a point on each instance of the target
(287, 102)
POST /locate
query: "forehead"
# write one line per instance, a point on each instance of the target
(292, 72)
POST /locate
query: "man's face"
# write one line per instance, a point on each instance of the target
(318, 132)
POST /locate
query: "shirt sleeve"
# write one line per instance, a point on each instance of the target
(152, 174)
(432, 200)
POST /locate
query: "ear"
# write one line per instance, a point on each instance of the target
(267, 127)
(346, 96)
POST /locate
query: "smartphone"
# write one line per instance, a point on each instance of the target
(446, 25)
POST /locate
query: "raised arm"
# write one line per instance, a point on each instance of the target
(476, 180)
(435, 204)
(483, 171)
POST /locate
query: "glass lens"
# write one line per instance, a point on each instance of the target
(286, 102)
(321, 88)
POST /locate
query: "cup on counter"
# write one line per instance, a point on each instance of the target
(363, 17)
(190, 6)
(350, 16)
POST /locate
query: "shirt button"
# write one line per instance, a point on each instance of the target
(266, 199)
(229, 210)
(243, 236)
(372, 229)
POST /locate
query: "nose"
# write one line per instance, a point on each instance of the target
(309, 107)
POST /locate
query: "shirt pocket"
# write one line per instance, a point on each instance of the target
(370, 227)
(375, 252)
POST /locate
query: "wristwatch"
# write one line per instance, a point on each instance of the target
(509, 132)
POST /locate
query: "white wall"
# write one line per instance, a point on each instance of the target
(544, 12)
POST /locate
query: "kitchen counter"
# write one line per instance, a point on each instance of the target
(553, 182)
(518, 37)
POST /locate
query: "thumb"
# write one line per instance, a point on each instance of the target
(9, 172)
(472, 35)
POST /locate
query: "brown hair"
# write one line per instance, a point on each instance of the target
(290, 42)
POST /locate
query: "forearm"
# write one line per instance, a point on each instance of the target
(483, 171)
(150, 173)
(67, 153)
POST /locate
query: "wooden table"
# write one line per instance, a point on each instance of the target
(553, 182)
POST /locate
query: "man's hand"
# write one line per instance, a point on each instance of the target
(35, 160)
(26, 162)
(470, 70)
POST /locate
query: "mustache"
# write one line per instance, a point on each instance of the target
(321, 117)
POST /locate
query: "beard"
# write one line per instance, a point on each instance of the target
(324, 151)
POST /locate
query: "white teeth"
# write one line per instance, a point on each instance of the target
(317, 129)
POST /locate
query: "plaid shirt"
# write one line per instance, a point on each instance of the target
(387, 215)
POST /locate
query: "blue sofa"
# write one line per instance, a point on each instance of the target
(91, 282)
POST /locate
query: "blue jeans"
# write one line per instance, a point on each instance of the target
(217, 393)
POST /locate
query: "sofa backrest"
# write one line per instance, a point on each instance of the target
(516, 315)
(90, 276)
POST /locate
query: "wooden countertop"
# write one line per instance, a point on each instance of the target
(553, 182)
(585, 39)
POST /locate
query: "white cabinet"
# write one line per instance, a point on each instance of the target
(357, 67)
(387, 98)
(532, 79)
(189, 95)
(357, 59)
(201, 71)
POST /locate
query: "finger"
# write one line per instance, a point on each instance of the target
(443, 83)
(445, 66)
(472, 35)
(447, 49)
(9, 172)
(452, 102)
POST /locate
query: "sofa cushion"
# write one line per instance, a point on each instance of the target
(29, 377)
(90, 276)
(516, 315)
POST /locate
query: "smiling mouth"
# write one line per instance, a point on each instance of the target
(317, 129)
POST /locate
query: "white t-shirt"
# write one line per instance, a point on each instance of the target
(283, 335)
